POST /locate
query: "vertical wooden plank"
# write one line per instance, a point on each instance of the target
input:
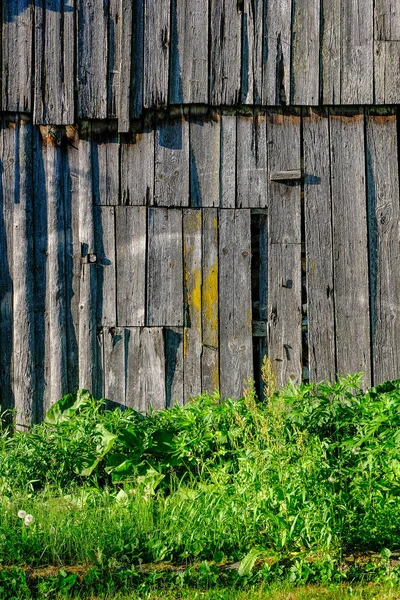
(209, 302)
(164, 268)
(114, 57)
(357, 58)
(277, 51)
(105, 163)
(7, 186)
(156, 52)
(189, 52)
(54, 62)
(225, 40)
(171, 182)
(115, 364)
(137, 164)
(205, 139)
(252, 52)
(235, 305)
(125, 66)
(387, 72)
(384, 243)
(23, 286)
(131, 265)
(106, 266)
(331, 51)
(138, 72)
(387, 20)
(350, 243)
(146, 369)
(17, 56)
(251, 160)
(192, 254)
(319, 248)
(228, 128)
(92, 59)
(174, 376)
(305, 61)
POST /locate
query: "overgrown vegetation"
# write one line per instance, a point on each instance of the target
(303, 487)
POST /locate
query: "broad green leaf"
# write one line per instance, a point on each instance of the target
(66, 406)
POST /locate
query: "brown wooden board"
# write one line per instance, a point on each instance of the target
(137, 164)
(54, 62)
(305, 60)
(156, 52)
(192, 254)
(189, 52)
(17, 38)
(251, 162)
(235, 306)
(209, 301)
(171, 180)
(205, 139)
(164, 268)
(131, 265)
(92, 49)
(319, 248)
(106, 268)
(384, 242)
(350, 242)
(105, 163)
(225, 51)
(228, 159)
(277, 51)
(252, 51)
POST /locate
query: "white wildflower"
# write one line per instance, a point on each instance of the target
(21, 514)
(331, 479)
(28, 520)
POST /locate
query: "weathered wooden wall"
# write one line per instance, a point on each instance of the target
(67, 60)
(154, 264)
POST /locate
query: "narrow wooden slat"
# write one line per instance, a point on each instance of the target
(23, 282)
(252, 51)
(174, 365)
(387, 20)
(156, 52)
(205, 134)
(319, 248)
(189, 52)
(131, 265)
(138, 71)
(331, 51)
(228, 159)
(92, 59)
(277, 51)
(146, 369)
(114, 58)
(171, 181)
(235, 306)
(251, 160)
(209, 302)
(106, 267)
(384, 243)
(115, 364)
(126, 67)
(164, 268)
(137, 164)
(387, 72)
(17, 29)
(105, 163)
(192, 238)
(350, 244)
(305, 61)
(54, 62)
(357, 58)
(225, 40)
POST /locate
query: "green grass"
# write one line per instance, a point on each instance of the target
(304, 489)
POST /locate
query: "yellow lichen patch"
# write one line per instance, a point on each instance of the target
(210, 303)
(196, 291)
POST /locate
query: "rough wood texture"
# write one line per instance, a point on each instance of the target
(126, 67)
(189, 52)
(235, 306)
(331, 51)
(319, 248)
(156, 52)
(252, 51)
(174, 365)
(171, 181)
(205, 142)
(277, 50)
(350, 244)
(192, 254)
(115, 346)
(384, 243)
(209, 302)
(164, 268)
(131, 265)
(251, 160)
(305, 60)
(387, 20)
(387, 72)
(114, 58)
(54, 62)
(92, 59)
(105, 163)
(228, 160)
(225, 42)
(137, 164)
(106, 266)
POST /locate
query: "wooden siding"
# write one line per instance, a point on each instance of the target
(150, 289)
(64, 61)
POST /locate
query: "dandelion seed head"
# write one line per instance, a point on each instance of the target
(21, 514)
(29, 519)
